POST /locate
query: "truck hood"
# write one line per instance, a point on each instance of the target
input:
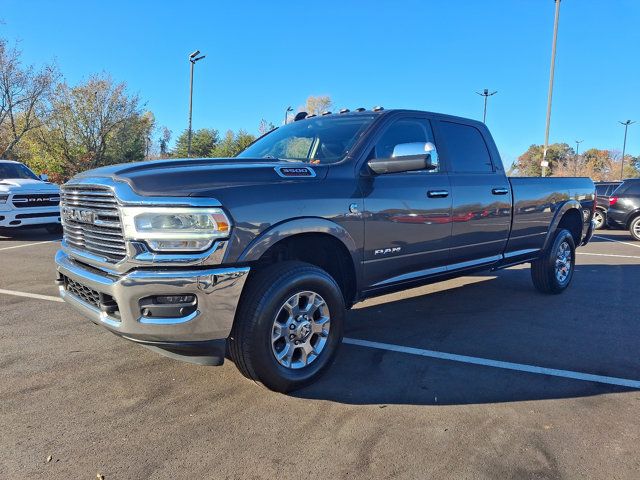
(203, 176)
(22, 185)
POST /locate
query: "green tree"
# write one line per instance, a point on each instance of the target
(232, 144)
(559, 155)
(203, 143)
(93, 124)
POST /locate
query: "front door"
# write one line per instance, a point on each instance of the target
(407, 215)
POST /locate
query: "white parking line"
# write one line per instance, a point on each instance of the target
(28, 244)
(31, 295)
(520, 367)
(609, 255)
(617, 241)
(587, 377)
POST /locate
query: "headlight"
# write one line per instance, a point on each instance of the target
(175, 229)
(3, 198)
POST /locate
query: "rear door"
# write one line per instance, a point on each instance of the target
(481, 209)
(407, 215)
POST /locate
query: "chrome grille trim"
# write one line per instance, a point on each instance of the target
(104, 237)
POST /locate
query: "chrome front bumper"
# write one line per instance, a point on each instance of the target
(217, 290)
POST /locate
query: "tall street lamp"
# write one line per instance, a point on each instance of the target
(544, 162)
(575, 163)
(286, 114)
(193, 58)
(624, 146)
(486, 95)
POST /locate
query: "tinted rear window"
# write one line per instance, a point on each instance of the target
(628, 188)
(467, 150)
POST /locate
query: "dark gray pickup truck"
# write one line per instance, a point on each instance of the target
(259, 257)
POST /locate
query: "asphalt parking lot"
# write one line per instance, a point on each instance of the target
(478, 377)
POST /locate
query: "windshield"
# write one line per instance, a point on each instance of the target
(316, 140)
(16, 170)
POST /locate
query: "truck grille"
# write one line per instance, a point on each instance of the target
(36, 200)
(103, 236)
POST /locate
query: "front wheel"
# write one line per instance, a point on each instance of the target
(553, 270)
(600, 219)
(634, 228)
(288, 326)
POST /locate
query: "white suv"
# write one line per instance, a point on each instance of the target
(27, 199)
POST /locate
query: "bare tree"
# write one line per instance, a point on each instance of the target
(24, 97)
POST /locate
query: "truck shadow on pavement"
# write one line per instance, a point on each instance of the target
(499, 317)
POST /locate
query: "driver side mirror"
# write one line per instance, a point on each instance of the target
(44, 177)
(407, 157)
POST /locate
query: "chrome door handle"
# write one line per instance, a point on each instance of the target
(500, 191)
(437, 193)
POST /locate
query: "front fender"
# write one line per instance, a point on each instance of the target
(278, 232)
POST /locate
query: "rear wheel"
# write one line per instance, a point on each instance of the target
(634, 228)
(288, 327)
(553, 271)
(600, 219)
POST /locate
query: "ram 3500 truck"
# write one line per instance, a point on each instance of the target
(258, 257)
(27, 200)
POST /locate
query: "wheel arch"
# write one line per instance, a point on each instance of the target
(316, 241)
(568, 216)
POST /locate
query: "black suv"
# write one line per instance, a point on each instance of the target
(624, 207)
(604, 191)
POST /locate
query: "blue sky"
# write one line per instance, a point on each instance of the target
(431, 55)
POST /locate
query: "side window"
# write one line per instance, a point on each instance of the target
(633, 189)
(601, 190)
(466, 147)
(403, 131)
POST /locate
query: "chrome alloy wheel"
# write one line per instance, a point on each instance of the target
(300, 330)
(563, 262)
(599, 218)
(636, 229)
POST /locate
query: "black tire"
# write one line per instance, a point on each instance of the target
(600, 218)
(548, 271)
(54, 228)
(634, 228)
(250, 343)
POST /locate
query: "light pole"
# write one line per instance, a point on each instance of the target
(544, 162)
(575, 163)
(624, 146)
(486, 95)
(286, 114)
(193, 58)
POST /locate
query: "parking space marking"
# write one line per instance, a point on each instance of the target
(520, 367)
(31, 295)
(609, 255)
(29, 244)
(617, 241)
(454, 357)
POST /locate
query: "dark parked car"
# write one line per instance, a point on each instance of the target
(604, 191)
(257, 257)
(624, 207)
